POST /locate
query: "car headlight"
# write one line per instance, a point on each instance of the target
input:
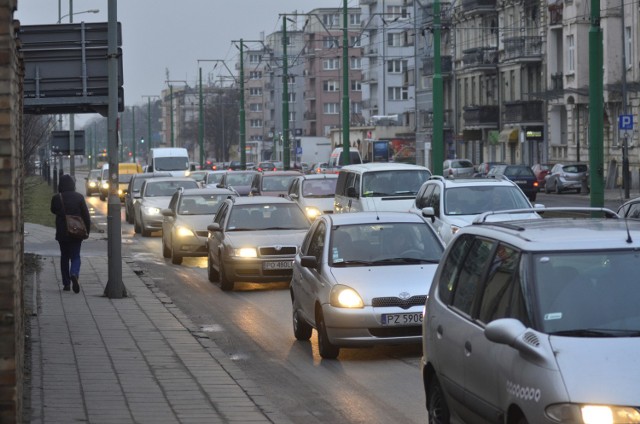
(312, 212)
(184, 232)
(345, 297)
(119, 192)
(105, 185)
(593, 414)
(152, 211)
(245, 252)
(92, 184)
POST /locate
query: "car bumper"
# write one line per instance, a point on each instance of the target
(253, 270)
(152, 222)
(363, 327)
(190, 246)
(570, 184)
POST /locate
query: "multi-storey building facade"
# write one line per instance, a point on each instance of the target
(180, 117)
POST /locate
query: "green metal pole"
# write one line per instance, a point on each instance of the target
(243, 153)
(596, 154)
(133, 133)
(437, 142)
(171, 107)
(345, 86)
(285, 97)
(201, 122)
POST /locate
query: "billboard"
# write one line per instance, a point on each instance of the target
(60, 143)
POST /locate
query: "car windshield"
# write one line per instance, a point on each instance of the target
(201, 204)
(574, 169)
(518, 171)
(214, 177)
(124, 178)
(474, 200)
(461, 164)
(276, 182)
(167, 188)
(383, 244)
(94, 174)
(319, 188)
(393, 183)
(284, 216)
(175, 163)
(579, 293)
(198, 176)
(239, 179)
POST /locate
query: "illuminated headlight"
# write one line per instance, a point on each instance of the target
(105, 185)
(593, 414)
(120, 192)
(92, 184)
(345, 297)
(184, 232)
(187, 173)
(152, 211)
(454, 229)
(312, 212)
(245, 252)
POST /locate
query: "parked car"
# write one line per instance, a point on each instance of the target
(451, 204)
(564, 177)
(483, 169)
(155, 195)
(92, 182)
(319, 168)
(457, 168)
(239, 181)
(362, 279)
(512, 334)
(184, 226)
(132, 194)
(265, 166)
(522, 175)
(541, 170)
(314, 193)
(254, 239)
(272, 183)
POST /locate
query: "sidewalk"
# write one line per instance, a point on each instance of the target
(131, 360)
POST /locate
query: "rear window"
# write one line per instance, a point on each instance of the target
(575, 168)
(519, 171)
(462, 164)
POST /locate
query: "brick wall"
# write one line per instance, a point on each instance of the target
(11, 222)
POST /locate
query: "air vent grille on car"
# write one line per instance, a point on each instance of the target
(531, 339)
(277, 251)
(387, 302)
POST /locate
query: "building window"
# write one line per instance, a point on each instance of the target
(396, 12)
(330, 64)
(628, 44)
(355, 63)
(255, 58)
(292, 117)
(397, 66)
(331, 20)
(398, 93)
(354, 19)
(356, 85)
(354, 41)
(256, 123)
(331, 108)
(330, 42)
(292, 97)
(255, 75)
(330, 86)
(255, 91)
(255, 107)
(395, 39)
(356, 107)
(571, 63)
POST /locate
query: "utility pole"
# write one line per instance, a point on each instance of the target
(285, 98)
(133, 133)
(437, 142)
(596, 165)
(346, 156)
(171, 112)
(149, 143)
(626, 180)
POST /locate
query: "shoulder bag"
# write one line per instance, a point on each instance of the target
(75, 224)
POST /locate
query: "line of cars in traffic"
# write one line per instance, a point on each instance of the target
(511, 309)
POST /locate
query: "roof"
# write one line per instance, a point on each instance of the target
(319, 176)
(382, 166)
(558, 234)
(470, 182)
(373, 217)
(199, 191)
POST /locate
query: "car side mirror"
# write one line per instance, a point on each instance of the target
(254, 190)
(309, 262)
(167, 212)
(293, 196)
(214, 226)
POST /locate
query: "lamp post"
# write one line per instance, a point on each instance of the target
(70, 15)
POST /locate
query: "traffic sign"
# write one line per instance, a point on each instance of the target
(625, 122)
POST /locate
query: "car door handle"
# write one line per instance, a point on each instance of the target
(467, 348)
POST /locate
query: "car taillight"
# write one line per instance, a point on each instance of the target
(535, 184)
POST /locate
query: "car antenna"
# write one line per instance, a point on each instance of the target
(626, 224)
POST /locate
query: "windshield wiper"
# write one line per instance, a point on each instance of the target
(598, 332)
(405, 261)
(352, 262)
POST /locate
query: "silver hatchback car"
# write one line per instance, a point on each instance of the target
(361, 279)
(535, 321)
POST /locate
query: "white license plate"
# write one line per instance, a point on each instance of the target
(520, 182)
(278, 265)
(410, 318)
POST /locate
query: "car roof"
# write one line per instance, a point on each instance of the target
(562, 234)
(271, 173)
(198, 191)
(373, 217)
(155, 179)
(382, 166)
(261, 200)
(319, 176)
(158, 174)
(470, 182)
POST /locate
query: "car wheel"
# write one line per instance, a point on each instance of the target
(127, 215)
(578, 190)
(103, 197)
(301, 328)
(522, 420)
(225, 283)
(144, 231)
(175, 259)
(558, 191)
(546, 188)
(166, 253)
(212, 274)
(136, 227)
(437, 404)
(326, 348)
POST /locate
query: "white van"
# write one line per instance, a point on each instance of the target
(378, 187)
(336, 160)
(169, 159)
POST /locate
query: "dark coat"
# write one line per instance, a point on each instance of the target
(74, 204)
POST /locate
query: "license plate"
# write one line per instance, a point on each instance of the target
(402, 319)
(520, 182)
(278, 265)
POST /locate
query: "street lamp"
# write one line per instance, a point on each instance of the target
(77, 13)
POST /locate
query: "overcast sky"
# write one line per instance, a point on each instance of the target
(161, 35)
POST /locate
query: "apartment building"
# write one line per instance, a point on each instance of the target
(180, 108)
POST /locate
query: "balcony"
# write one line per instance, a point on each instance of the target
(365, 2)
(519, 112)
(268, 124)
(479, 6)
(555, 14)
(481, 116)
(445, 66)
(370, 104)
(310, 116)
(309, 94)
(445, 13)
(370, 51)
(481, 57)
(528, 48)
(268, 86)
(557, 82)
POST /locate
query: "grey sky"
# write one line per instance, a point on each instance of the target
(174, 34)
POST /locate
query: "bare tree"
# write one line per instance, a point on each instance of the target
(36, 132)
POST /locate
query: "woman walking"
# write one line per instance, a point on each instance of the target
(74, 204)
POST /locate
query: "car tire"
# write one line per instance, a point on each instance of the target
(558, 191)
(127, 215)
(136, 226)
(212, 274)
(175, 259)
(166, 253)
(578, 190)
(546, 188)
(437, 404)
(225, 283)
(522, 420)
(326, 348)
(301, 328)
(102, 197)
(144, 231)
